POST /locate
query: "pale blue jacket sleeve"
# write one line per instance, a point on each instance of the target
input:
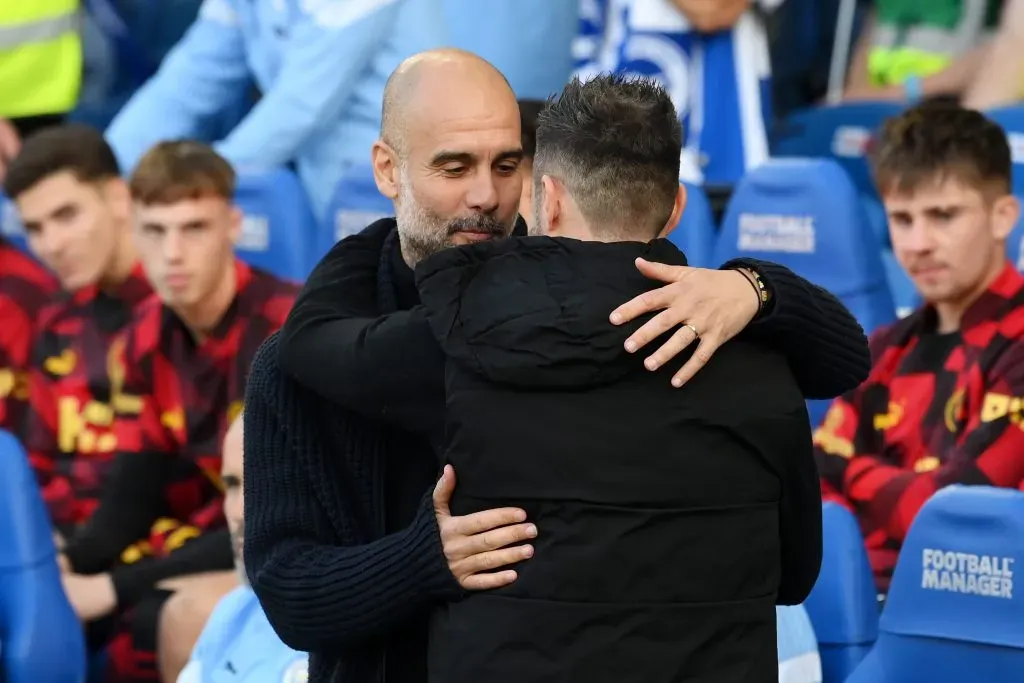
(330, 45)
(205, 73)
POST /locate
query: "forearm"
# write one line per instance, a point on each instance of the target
(824, 344)
(209, 552)
(958, 76)
(321, 596)
(131, 500)
(388, 369)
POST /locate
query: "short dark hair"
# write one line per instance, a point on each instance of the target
(76, 148)
(614, 141)
(529, 110)
(179, 170)
(935, 140)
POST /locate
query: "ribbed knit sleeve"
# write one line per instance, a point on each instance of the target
(824, 344)
(321, 588)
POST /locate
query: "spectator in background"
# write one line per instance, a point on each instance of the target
(320, 66)
(914, 49)
(711, 55)
(528, 111)
(237, 638)
(40, 68)
(178, 379)
(76, 210)
(529, 41)
(1000, 80)
(943, 402)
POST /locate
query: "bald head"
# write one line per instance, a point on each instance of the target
(435, 79)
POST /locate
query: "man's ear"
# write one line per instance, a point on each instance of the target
(385, 169)
(1005, 214)
(677, 212)
(551, 213)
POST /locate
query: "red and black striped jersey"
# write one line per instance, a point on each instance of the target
(25, 287)
(177, 395)
(936, 410)
(69, 429)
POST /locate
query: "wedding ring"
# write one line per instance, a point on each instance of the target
(696, 334)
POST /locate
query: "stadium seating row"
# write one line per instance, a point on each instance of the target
(951, 615)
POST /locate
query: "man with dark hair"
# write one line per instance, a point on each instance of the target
(76, 210)
(626, 479)
(345, 546)
(943, 402)
(624, 185)
(178, 374)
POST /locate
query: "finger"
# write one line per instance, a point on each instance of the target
(482, 582)
(460, 546)
(654, 300)
(705, 349)
(486, 520)
(652, 329)
(675, 345)
(660, 271)
(443, 491)
(489, 561)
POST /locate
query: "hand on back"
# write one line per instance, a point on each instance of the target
(480, 547)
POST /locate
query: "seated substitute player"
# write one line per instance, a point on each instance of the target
(77, 214)
(181, 375)
(942, 404)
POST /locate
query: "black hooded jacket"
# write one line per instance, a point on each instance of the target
(671, 521)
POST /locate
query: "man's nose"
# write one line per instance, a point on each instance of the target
(482, 195)
(172, 245)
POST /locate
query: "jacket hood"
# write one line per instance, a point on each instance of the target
(533, 311)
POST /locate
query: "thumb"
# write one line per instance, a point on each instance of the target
(660, 271)
(443, 491)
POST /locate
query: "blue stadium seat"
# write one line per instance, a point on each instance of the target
(843, 605)
(11, 228)
(904, 293)
(1012, 121)
(695, 233)
(279, 227)
(806, 215)
(842, 132)
(40, 637)
(877, 219)
(357, 202)
(953, 614)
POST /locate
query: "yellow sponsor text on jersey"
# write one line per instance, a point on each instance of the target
(84, 429)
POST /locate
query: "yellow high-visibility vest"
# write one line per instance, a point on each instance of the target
(40, 57)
